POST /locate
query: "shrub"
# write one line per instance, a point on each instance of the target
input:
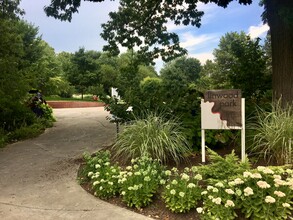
(274, 134)
(153, 137)
(182, 191)
(265, 193)
(141, 181)
(223, 168)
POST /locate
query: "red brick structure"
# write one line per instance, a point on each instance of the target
(74, 104)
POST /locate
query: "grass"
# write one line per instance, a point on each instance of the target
(274, 134)
(153, 137)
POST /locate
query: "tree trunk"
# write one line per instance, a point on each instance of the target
(281, 28)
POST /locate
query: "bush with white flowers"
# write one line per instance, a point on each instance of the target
(140, 181)
(105, 176)
(182, 191)
(265, 193)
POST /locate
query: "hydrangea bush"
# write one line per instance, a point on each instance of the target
(182, 191)
(140, 181)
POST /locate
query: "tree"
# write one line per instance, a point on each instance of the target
(143, 24)
(242, 64)
(85, 71)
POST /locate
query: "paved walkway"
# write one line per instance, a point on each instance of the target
(38, 176)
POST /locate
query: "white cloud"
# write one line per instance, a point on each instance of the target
(258, 31)
(203, 57)
(189, 40)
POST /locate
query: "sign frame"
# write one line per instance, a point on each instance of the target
(242, 128)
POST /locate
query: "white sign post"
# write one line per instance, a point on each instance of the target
(223, 111)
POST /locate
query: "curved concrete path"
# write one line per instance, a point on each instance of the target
(38, 176)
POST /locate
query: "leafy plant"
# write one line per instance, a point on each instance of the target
(47, 112)
(274, 133)
(105, 179)
(218, 202)
(154, 137)
(141, 181)
(223, 168)
(182, 191)
(265, 193)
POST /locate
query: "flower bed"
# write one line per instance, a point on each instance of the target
(195, 192)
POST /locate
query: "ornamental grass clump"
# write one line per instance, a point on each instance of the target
(140, 181)
(274, 134)
(182, 191)
(154, 137)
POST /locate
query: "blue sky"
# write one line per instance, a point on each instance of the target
(85, 27)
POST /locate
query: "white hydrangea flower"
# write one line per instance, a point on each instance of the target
(238, 181)
(215, 190)
(123, 193)
(261, 168)
(147, 179)
(173, 192)
(263, 184)
(162, 181)
(168, 173)
(184, 176)
(168, 186)
(194, 169)
(191, 185)
(110, 183)
(199, 210)
(231, 183)
(204, 192)
(96, 183)
(279, 194)
(209, 188)
(270, 199)
(132, 160)
(219, 184)
(129, 168)
(198, 177)
(130, 188)
(174, 182)
(135, 166)
(247, 174)
(248, 191)
(137, 173)
(286, 205)
(181, 194)
(217, 200)
(90, 174)
(97, 166)
(277, 176)
(129, 173)
(135, 187)
(101, 188)
(229, 191)
(279, 182)
(256, 176)
(229, 203)
(107, 163)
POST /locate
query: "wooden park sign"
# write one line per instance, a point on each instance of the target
(223, 109)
